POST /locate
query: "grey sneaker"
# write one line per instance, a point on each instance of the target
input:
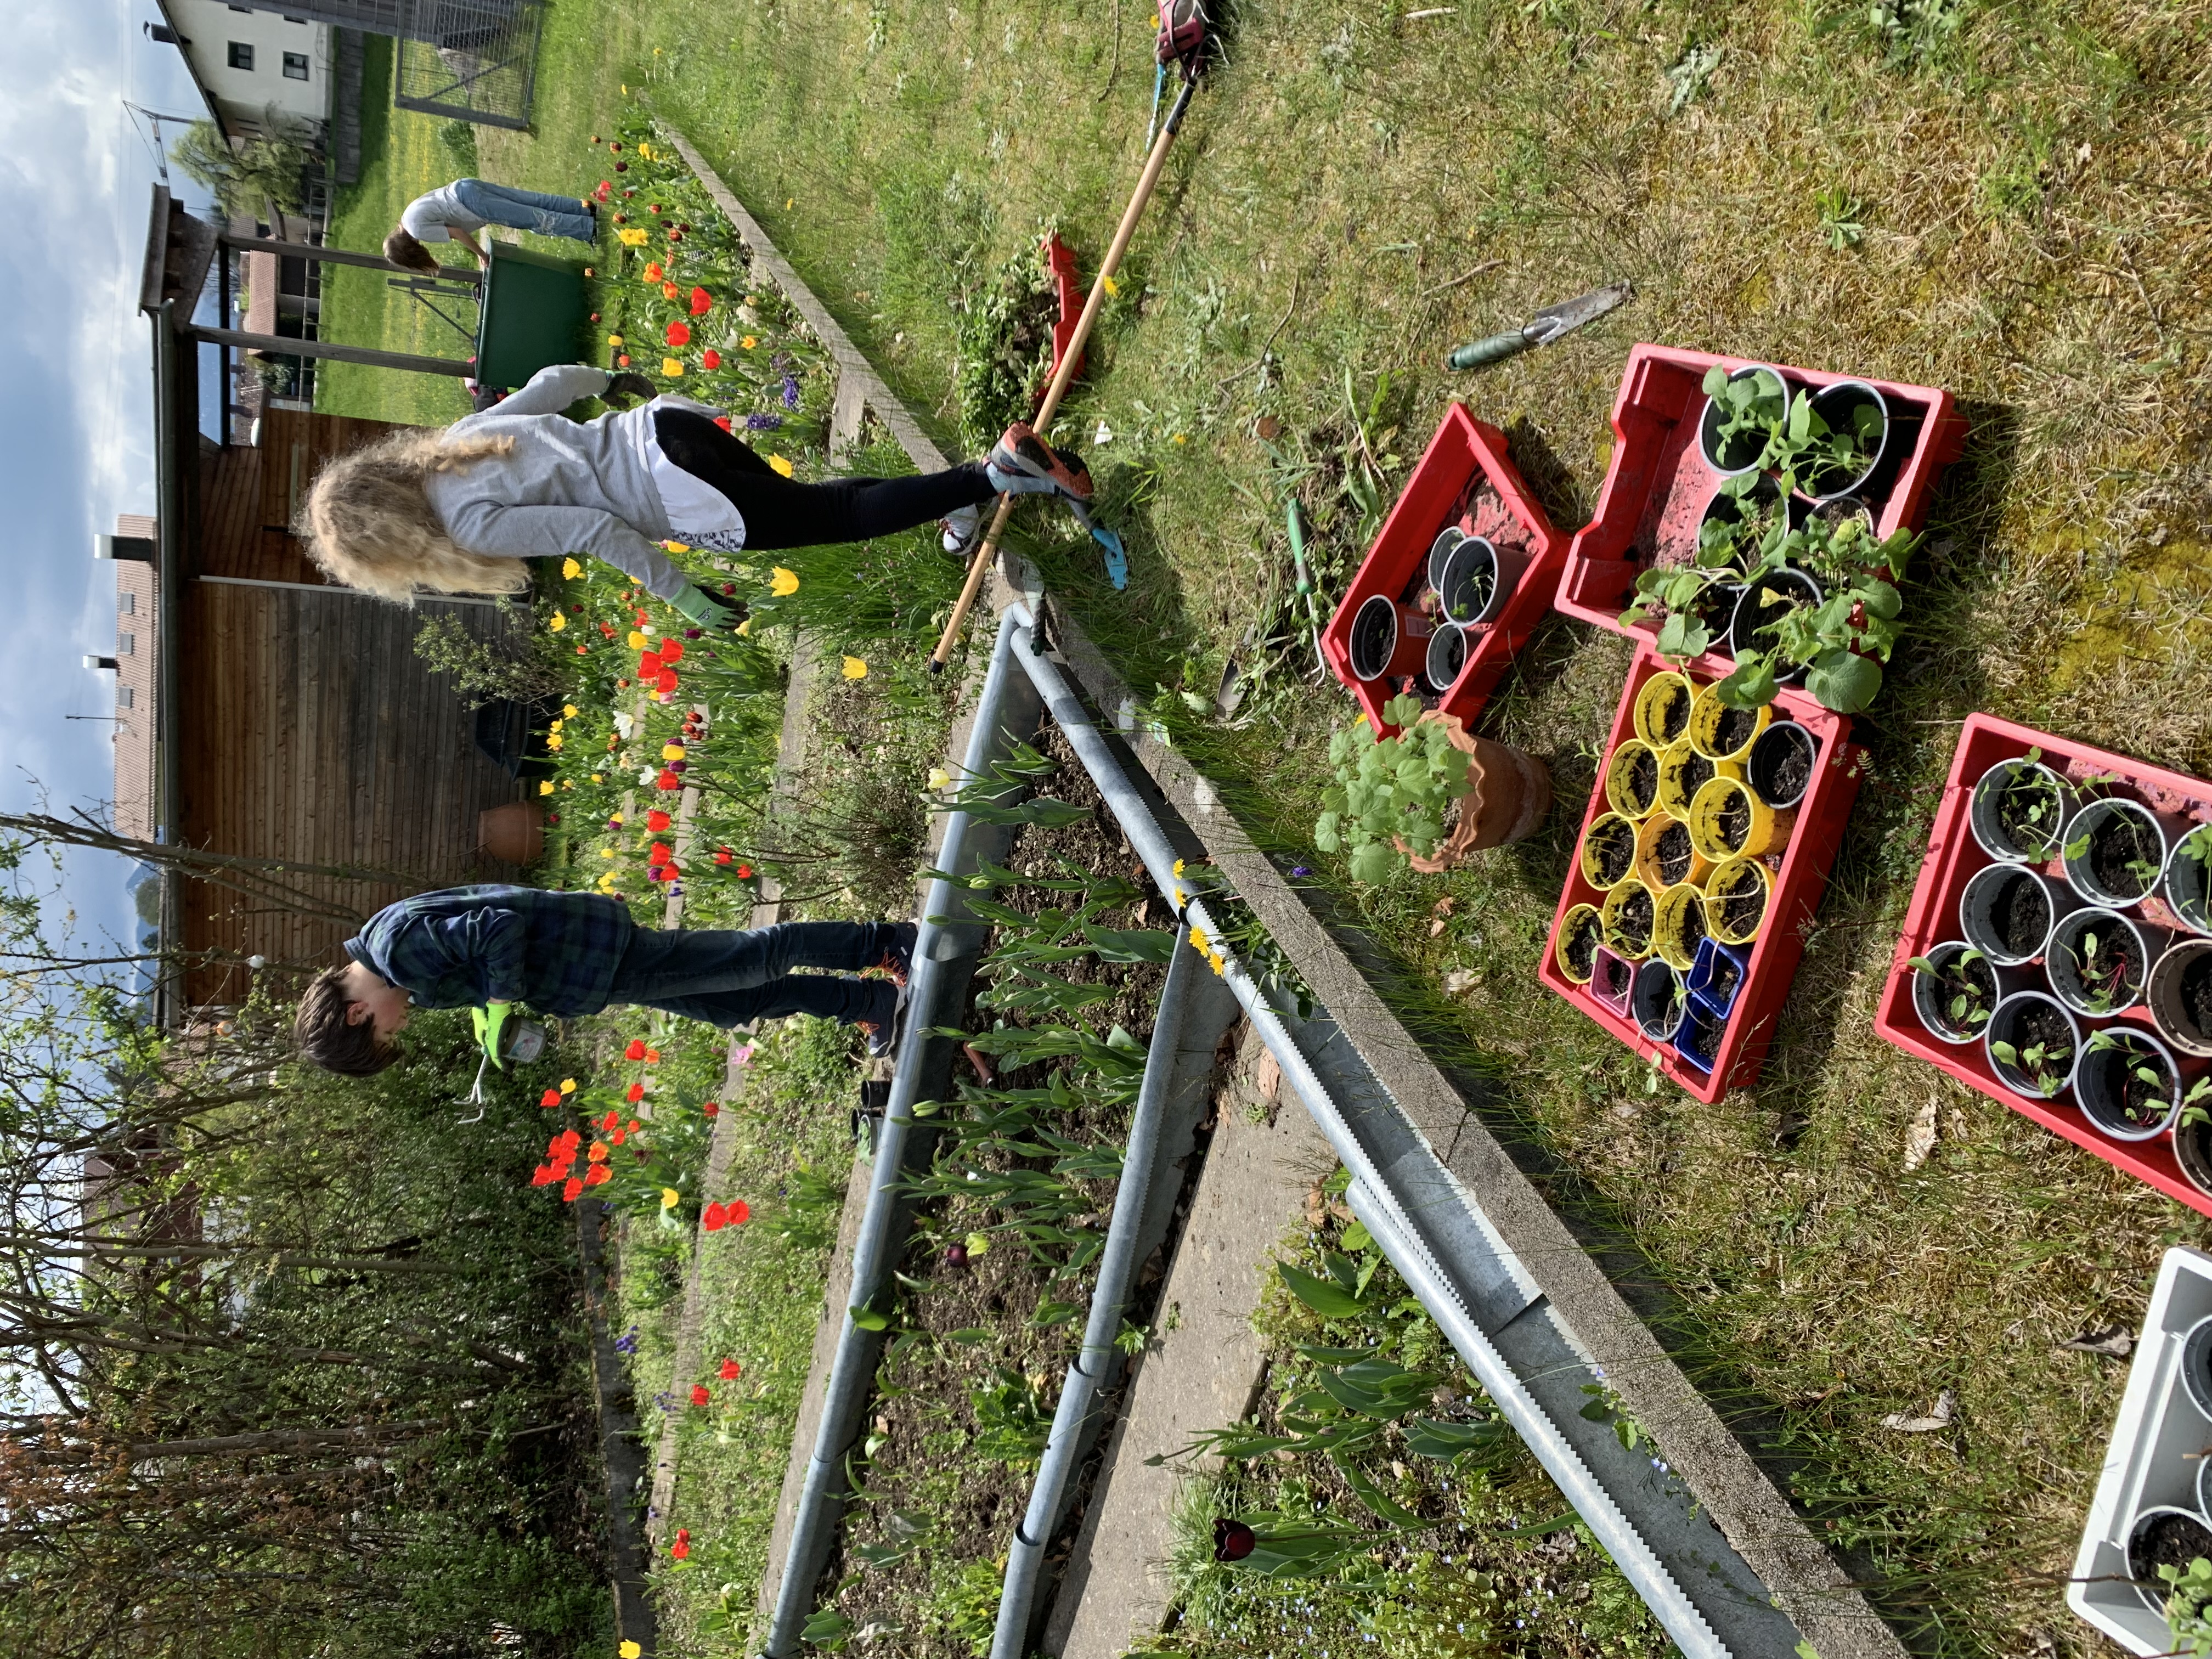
(1022, 463)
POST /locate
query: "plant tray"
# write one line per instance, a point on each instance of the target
(1800, 877)
(1466, 477)
(1953, 858)
(2151, 1460)
(1657, 483)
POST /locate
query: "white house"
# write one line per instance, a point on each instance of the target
(247, 61)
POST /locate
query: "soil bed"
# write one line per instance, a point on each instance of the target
(1693, 928)
(1695, 772)
(1674, 722)
(2142, 1102)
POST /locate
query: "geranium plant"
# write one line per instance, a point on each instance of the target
(1393, 790)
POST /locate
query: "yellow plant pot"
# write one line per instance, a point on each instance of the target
(1681, 865)
(1661, 715)
(1621, 790)
(1737, 879)
(1682, 772)
(1678, 925)
(1598, 841)
(1571, 924)
(1626, 918)
(1706, 716)
(1728, 821)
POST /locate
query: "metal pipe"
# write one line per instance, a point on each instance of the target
(1093, 1365)
(1613, 1531)
(813, 1528)
(284, 345)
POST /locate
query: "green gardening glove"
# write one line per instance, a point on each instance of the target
(703, 610)
(490, 1023)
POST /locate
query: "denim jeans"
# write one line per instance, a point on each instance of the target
(526, 209)
(732, 978)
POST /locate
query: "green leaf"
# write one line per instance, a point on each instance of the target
(1373, 1497)
(1430, 1438)
(1377, 861)
(1325, 1298)
(1357, 1237)
(869, 1320)
(1715, 381)
(1325, 835)
(1131, 943)
(1751, 686)
(1844, 681)
(1683, 635)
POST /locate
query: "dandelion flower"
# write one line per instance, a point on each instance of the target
(568, 711)
(1109, 285)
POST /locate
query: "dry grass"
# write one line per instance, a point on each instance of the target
(2036, 226)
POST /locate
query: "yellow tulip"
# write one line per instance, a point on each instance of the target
(671, 752)
(554, 740)
(676, 547)
(568, 783)
(599, 777)
(749, 342)
(637, 641)
(606, 852)
(556, 622)
(614, 339)
(669, 1197)
(672, 367)
(781, 466)
(570, 570)
(546, 787)
(558, 724)
(630, 1650)
(939, 778)
(632, 237)
(855, 669)
(568, 1085)
(781, 582)
(746, 626)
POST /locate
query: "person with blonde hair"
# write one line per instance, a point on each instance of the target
(457, 511)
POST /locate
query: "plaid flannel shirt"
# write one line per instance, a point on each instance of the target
(464, 946)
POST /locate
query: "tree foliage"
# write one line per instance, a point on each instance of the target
(249, 176)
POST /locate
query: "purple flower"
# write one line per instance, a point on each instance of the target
(790, 392)
(690, 633)
(763, 423)
(627, 1342)
(1299, 872)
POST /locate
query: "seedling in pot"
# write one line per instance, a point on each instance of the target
(1406, 787)
(1748, 408)
(2116, 853)
(2189, 877)
(2029, 806)
(2042, 1059)
(1696, 599)
(1966, 988)
(1842, 640)
(2043, 1063)
(2141, 1088)
(1807, 448)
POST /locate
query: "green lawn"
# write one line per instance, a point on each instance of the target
(2008, 201)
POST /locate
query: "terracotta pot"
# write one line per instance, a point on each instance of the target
(1510, 792)
(512, 834)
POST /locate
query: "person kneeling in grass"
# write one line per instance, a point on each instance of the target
(458, 510)
(569, 954)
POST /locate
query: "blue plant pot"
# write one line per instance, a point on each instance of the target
(1713, 961)
(1699, 1039)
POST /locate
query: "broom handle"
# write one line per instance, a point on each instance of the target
(1066, 370)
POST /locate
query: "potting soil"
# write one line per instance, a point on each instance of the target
(1582, 946)
(1613, 852)
(1693, 928)
(2112, 966)
(2197, 993)
(1783, 779)
(1674, 853)
(2115, 844)
(1696, 772)
(2167, 1541)
(1736, 822)
(1976, 982)
(2037, 1024)
(1634, 919)
(1725, 972)
(1734, 728)
(2027, 812)
(1644, 778)
(2023, 914)
(1674, 722)
(1741, 911)
(1614, 973)
(2143, 1103)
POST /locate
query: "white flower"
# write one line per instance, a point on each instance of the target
(646, 774)
(1104, 435)
(627, 725)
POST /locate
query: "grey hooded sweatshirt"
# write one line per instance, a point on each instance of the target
(567, 487)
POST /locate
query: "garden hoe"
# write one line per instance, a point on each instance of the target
(1181, 42)
(1546, 326)
(521, 1043)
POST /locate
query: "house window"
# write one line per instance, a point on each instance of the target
(127, 604)
(295, 66)
(126, 645)
(123, 696)
(241, 55)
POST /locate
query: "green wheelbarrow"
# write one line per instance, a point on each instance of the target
(534, 315)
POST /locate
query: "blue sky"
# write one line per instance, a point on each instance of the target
(76, 417)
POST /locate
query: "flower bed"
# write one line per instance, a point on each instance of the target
(2096, 1004)
(1727, 1014)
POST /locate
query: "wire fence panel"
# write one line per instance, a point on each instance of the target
(471, 60)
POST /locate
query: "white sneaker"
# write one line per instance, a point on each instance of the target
(960, 527)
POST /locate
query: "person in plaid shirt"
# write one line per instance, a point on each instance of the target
(567, 954)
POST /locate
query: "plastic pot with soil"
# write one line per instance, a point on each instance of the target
(1857, 416)
(1611, 977)
(1780, 768)
(2187, 874)
(1682, 772)
(2180, 996)
(1721, 734)
(1446, 657)
(2127, 1084)
(1627, 915)
(1390, 640)
(1718, 974)
(1580, 936)
(1678, 926)
(1664, 856)
(1697, 1039)
(2197, 1366)
(2164, 1536)
(1743, 410)
(2007, 910)
(1607, 856)
(1478, 578)
(1737, 895)
(1956, 989)
(1658, 1000)
(2019, 811)
(1661, 715)
(1631, 779)
(1767, 599)
(2099, 961)
(1727, 820)
(2032, 1043)
(2115, 852)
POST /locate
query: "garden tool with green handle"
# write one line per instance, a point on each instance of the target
(1296, 524)
(502, 1037)
(1546, 326)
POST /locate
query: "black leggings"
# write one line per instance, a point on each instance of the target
(779, 512)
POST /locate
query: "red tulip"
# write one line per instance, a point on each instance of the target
(722, 857)
(598, 1152)
(710, 358)
(598, 1174)
(570, 1140)
(701, 302)
(671, 651)
(660, 855)
(723, 421)
(744, 872)
(665, 680)
(681, 1549)
(614, 148)
(712, 1108)
(679, 334)
(649, 664)
(699, 1395)
(570, 1188)
(655, 819)
(622, 361)
(636, 1051)
(622, 167)
(715, 1218)
(655, 207)
(635, 1092)
(652, 1056)
(668, 290)
(731, 1370)
(652, 272)
(737, 1212)
(667, 780)
(551, 1098)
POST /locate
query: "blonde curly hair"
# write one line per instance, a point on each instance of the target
(368, 524)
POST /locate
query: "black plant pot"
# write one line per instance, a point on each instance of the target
(1741, 452)
(1755, 613)
(1447, 656)
(1839, 405)
(1781, 766)
(1658, 1001)
(1479, 578)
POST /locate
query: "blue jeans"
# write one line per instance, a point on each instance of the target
(732, 978)
(526, 209)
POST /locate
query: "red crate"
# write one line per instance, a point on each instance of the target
(1463, 452)
(1953, 858)
(1657, 483)
(1801, 876)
